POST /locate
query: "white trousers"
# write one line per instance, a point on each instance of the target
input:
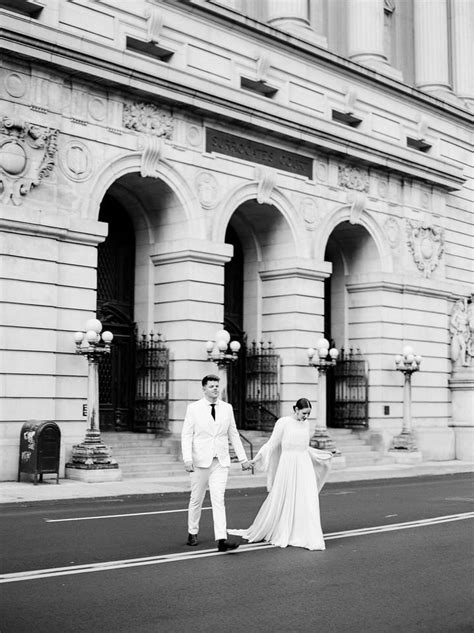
(216, 478)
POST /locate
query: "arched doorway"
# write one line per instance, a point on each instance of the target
(234, 323)
(115, 308)
(351, 251)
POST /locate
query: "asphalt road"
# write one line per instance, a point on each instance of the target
(398, 558)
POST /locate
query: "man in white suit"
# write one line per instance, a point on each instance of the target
(208, 426)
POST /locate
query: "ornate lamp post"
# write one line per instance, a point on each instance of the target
(92, 460)
(322, 358)
(407, 363)
(223, 352)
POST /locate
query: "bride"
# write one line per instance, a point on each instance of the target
(295, 474)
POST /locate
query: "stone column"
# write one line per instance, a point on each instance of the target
(293, 320)
(431, 49)
(463, 50)
(292, 16)
(188, 310)
(366, 36)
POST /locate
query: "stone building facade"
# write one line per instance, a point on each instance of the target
(323, 140)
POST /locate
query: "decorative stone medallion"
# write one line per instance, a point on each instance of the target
(194, 135)
(75, 161)
(309, 212)
(206, 187)
(426, 244)
(392, 231)
(15, 85)
(97, 108)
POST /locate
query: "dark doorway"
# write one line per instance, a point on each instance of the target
(115, 301)
(233, 323)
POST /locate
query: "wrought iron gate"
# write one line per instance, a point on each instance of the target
(262, 405)
(348, 392)
(152, 385)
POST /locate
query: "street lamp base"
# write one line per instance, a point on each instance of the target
(324, 442)
(404, 442)
(96, 474)
(92, 455)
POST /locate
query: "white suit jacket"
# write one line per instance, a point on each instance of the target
(204, 438)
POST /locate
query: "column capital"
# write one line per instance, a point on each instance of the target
(294, 267)
(189, 250)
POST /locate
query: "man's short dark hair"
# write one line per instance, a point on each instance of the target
(209, 378)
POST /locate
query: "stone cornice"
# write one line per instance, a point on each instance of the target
(399, 285)
(186, 90)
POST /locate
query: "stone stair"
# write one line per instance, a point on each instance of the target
(356, 448)
(142, 455)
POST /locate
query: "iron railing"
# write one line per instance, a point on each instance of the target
(152, 391)
(350, 405)
(262, 403)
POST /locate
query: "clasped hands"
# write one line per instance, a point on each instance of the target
(247, 465)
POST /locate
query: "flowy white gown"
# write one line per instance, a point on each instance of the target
(295, 474)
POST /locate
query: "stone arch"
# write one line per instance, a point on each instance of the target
(247, 193)
(131, 164)
(344, 214)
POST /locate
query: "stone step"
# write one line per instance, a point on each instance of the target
(138, 451)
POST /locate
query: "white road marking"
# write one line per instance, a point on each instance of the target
(182, 556)
(118, 516)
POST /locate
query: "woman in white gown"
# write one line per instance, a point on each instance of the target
(295, 474)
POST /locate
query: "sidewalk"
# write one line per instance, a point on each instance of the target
(26, 492)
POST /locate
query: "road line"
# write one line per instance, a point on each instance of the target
(183, 556)
(115, 516)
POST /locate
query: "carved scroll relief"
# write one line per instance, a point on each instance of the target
(27, 155)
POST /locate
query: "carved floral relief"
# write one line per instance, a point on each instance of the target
(27, 155)
(146, 118)
(353, 178)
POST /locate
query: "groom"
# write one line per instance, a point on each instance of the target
(208, 426)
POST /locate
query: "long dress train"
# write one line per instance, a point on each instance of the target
(295, 473)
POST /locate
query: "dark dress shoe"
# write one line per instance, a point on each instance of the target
(192, 539)
(225, 546)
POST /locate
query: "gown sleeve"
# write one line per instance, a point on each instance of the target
(268, 457)
(322, 461)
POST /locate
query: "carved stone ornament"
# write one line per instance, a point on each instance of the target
(152, 148)
(154, 24)
(461, 329)
(309, 211)
(75, 161)
(353, 178)
(206, 187)
(357, 201)
(146, 118)
(27, 155)
(266, 179)
(392, 231)
(426, 244)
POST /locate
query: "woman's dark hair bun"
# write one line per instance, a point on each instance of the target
(302, 403)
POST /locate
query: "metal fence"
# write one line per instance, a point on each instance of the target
(350, 391)
(262, 402)
(152, 385)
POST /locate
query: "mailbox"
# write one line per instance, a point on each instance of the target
(40, 444)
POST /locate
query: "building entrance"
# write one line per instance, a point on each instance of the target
(115, 301)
